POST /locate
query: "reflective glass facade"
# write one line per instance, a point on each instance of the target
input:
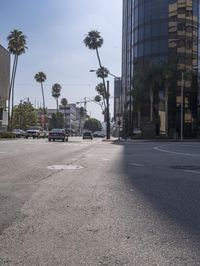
(158, 31)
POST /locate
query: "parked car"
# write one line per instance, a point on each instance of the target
(137, 132)
(35, 132)
(58, 134)
(99, 134)
(87, 135)
(19, 133)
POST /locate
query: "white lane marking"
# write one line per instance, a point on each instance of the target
(177, 153)
(137, 164)
(2, 152)
(64, 167)
(105, 159)
(192, 171)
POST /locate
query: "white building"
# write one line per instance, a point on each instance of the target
(4, 85)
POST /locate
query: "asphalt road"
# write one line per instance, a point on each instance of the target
(99, 203)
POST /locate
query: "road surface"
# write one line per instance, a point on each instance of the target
(99, 203)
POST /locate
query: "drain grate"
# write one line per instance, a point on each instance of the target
(186, 167)
(65, 167)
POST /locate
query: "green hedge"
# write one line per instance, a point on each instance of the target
(6, 135)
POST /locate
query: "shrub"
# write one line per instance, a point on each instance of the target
(6, 135)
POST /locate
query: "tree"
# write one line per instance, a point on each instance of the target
(170, 76)
(64, 103)
(41, 77)
(56, 88)
(94, 41)
(102, 72)
(16, 46)
(56, 121)
(93, 124)
(24, 116)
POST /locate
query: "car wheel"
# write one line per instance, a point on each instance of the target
(33, 137)
(53, 139)
(26, 137)
(49, 139)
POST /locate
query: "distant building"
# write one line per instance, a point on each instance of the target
(71, 116)
(4, 84)
(117, 94)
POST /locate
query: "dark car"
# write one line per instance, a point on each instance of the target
(87, 135)
(58, 134)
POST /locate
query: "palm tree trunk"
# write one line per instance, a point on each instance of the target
(10, 93)
(166, 110)
(43, 123)
(107, 99)
(13, 85)
(139, 122)
(151, 105)
(57, 104)
(104, 84)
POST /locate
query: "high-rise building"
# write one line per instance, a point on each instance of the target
(157, 32)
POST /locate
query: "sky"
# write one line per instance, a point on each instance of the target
(55, 30)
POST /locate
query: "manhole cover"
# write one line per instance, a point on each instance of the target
(186, 167)
(64, 167)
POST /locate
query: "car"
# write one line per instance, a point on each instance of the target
(19, 133)
(137, 132)
(99, 134)
(87, 135)
(58, 134)
(35, 132)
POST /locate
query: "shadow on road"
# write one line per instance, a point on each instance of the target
(172, 192)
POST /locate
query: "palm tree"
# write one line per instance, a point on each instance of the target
(16, 46)
(56, 88)
(170, 75)
(102, 92)
(94, 41)
(102, 72)
(64, 102)
(41, 77)
(98, 100)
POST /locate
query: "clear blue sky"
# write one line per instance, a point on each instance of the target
(55, 30)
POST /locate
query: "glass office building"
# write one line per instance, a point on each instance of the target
(157, 31)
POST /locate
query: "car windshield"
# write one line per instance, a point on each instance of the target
(87, 134)
(57, 130)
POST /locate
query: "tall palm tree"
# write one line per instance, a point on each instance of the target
(102, 72)
(93, 41)
(16, 46)
(64, 102)
(170, 75)
(154, 76)
(56, 88)
(41, 77)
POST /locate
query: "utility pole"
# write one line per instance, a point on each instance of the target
(107, 113)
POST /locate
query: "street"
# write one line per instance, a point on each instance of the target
(87, 202)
